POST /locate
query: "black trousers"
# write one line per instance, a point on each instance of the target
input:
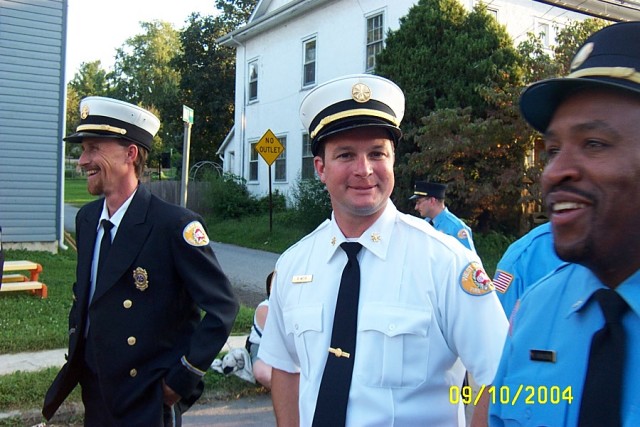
(97, 414)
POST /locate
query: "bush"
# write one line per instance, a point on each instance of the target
(490, 248)
(311, 201)
(279, 202)
(228, 197)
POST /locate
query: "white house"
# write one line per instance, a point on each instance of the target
(290, 46)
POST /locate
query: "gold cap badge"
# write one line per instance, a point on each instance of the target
(582, 55)
(360, 92)
(141, 278)
(84, 113)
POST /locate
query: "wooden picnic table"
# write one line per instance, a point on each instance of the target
(19, 282)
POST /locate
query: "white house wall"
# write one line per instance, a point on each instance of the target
(340, 31)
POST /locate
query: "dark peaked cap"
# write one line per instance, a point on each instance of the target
(428, 189)
(610, 58)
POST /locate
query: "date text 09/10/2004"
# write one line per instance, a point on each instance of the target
(506, 395)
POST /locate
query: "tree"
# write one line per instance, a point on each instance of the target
(143, 75)
(571, 37)
(208, 74)
(484, 157)
(207, 85)
(89, 80)
(440, 55)
(540, 63)
(236, 13)
(446, 60)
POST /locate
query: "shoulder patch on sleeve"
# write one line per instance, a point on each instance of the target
(475, 281)
(195, 235)
(502, 280)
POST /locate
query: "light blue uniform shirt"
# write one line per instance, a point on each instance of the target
(557, 314)
(525, 261)
(450, 224)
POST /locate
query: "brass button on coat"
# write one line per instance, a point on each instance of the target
(127, 303)
(131, 340)
(133, 373)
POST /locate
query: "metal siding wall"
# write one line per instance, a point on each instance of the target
(31, 72)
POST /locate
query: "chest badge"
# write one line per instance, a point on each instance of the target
(302, 278)
(141, 278)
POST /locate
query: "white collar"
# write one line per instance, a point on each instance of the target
(117, 216)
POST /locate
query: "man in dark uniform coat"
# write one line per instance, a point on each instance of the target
(137, 343)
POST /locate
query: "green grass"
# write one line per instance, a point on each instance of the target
(75, 192)
(28, 323)
(283, 234)
(26, 390)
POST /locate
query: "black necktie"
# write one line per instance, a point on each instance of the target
(602, 393)
(331, 406)
(105, 244)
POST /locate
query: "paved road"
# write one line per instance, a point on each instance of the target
(246, 268)
(253, 411)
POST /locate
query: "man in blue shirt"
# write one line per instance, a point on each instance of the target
(429, 201)
(562, 364)
(525, 261)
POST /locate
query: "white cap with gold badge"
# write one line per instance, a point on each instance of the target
(102, 117)
(348, 102)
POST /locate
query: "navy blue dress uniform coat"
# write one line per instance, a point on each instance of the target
(141, 336)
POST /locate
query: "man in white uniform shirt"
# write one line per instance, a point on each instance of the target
(426, 308)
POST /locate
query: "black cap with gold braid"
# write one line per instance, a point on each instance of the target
(428, 189)
(353, 101)
(609, 58)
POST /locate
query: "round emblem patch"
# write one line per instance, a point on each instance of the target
(195, 235)
(462, 234)
(475, 281)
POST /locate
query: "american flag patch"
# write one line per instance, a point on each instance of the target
(502, 281)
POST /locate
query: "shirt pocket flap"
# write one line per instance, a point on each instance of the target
(395, 320)
(300, 319)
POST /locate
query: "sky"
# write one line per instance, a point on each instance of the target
(96, 28)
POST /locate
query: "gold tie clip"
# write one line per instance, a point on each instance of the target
(339, 353)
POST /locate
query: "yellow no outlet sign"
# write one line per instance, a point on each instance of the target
(269, 147)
